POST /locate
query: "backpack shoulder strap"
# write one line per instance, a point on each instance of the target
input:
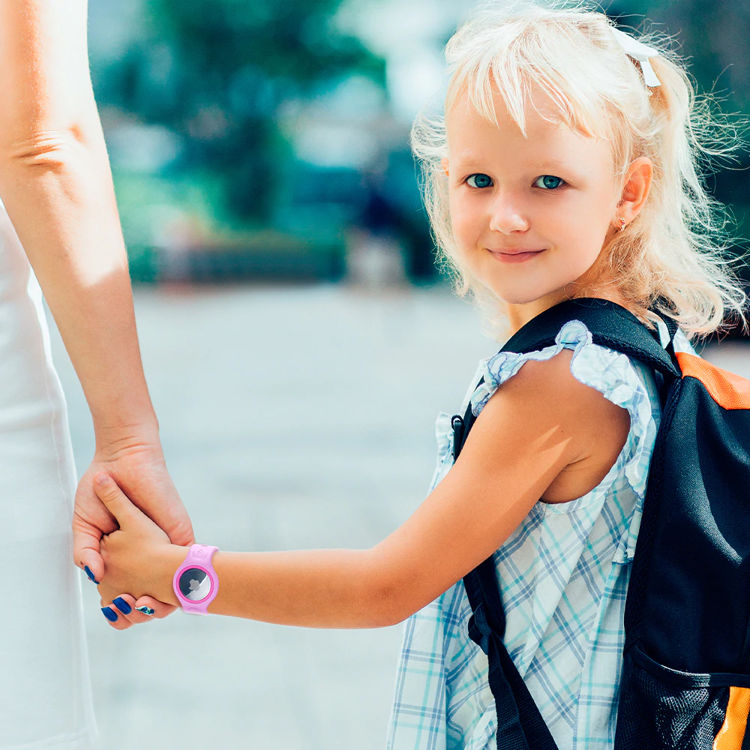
(520, 724)
(610, 324)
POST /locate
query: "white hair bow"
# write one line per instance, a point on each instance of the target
(640, 52)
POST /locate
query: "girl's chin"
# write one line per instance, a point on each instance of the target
(533, 299)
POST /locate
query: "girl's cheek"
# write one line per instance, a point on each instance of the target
(463, 221)
(456, 205)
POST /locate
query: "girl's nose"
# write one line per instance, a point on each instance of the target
(507, 216)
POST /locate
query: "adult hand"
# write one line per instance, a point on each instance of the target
(123, 611)
(139, 468)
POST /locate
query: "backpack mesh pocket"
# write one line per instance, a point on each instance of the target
(668, 709)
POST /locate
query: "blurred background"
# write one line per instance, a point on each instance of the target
(297, 336)
(269, 141)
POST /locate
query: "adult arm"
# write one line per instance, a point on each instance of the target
(56, 184)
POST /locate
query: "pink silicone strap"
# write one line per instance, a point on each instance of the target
(198, 556)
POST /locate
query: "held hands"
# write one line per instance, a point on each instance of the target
(138, 557)
(138, 466)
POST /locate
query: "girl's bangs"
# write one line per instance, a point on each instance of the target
(568, 88)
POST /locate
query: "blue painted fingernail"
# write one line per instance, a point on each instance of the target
(90, 575)
(146, 610)
(110, 614)
(122, 605)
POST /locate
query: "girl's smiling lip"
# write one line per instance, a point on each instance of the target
(514, 254)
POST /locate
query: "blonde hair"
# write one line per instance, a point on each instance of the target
(672, 256)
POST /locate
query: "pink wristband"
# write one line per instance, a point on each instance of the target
(195, 582)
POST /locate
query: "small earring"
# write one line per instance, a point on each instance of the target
(623, 224)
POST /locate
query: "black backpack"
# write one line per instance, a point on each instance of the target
(686, 673)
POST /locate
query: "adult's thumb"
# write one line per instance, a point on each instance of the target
(86, 550)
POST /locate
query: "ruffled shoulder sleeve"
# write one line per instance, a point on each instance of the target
(624, 382)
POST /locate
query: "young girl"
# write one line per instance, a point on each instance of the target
(565, 168)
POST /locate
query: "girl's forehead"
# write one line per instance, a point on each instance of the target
(466, 126)
(537, 112)
(546, 139)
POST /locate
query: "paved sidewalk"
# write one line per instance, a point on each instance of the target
(291, 418)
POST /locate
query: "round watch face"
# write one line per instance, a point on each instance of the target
(195, 584)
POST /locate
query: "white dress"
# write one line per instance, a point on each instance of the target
(45, 697)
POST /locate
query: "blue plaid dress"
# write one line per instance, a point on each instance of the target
(563, 576)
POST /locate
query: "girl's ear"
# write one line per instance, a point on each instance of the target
(635, 189)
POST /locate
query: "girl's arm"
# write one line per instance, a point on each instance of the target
(528, 434)
(56, 185)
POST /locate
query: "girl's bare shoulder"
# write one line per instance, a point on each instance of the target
(546, 397)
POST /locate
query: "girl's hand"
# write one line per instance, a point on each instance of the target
(138, 558)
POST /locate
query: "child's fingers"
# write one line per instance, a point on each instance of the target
(115, 500)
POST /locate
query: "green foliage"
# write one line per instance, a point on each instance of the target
(183, 209)
(217, 73)
(294, 42)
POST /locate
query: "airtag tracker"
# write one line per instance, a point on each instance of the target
(195, 582)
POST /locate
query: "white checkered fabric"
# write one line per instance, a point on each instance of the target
(563, 576)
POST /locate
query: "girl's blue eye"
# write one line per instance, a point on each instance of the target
(548, 182)
(479, 181)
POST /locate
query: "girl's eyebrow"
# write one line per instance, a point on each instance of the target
(554, 164)
(467, 158)
(468, 161)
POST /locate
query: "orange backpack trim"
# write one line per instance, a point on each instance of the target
(728, 390)
(732, 731)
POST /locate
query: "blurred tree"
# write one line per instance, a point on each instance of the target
(218, 72)
(712, 36)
